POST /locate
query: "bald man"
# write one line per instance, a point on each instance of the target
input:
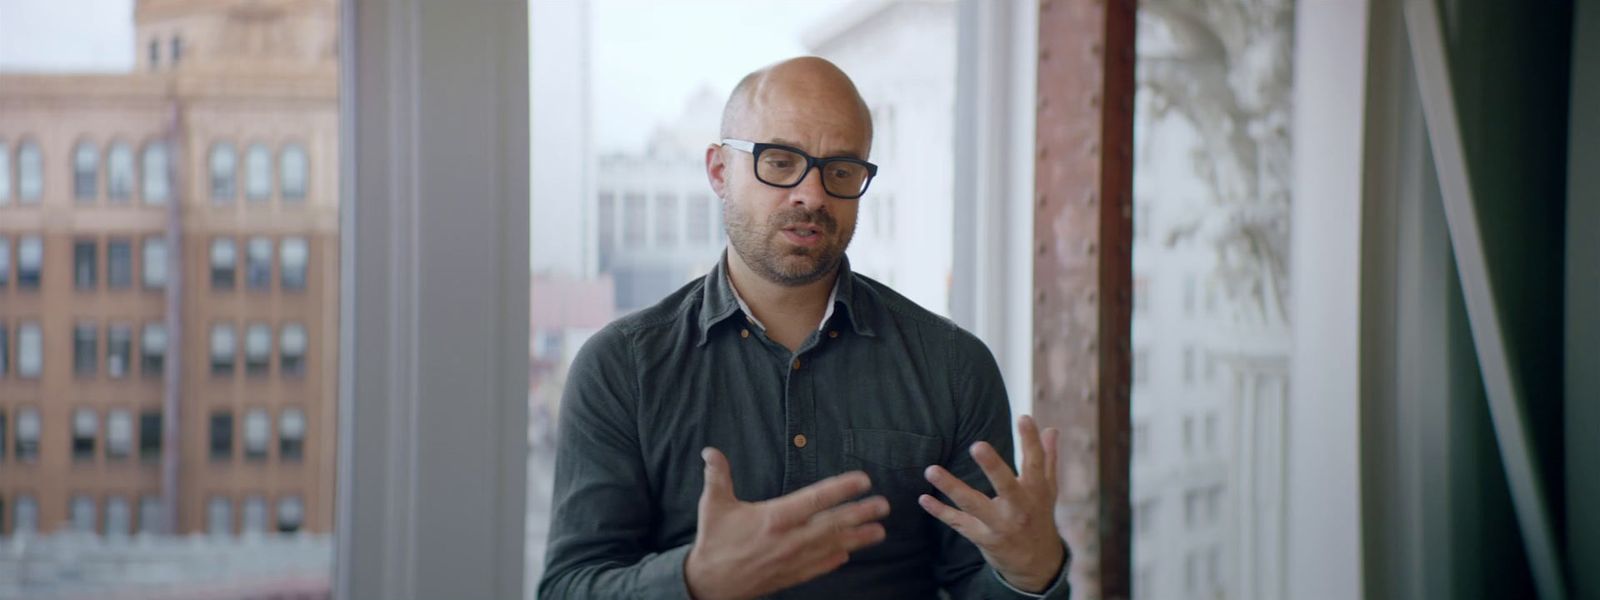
(784, 427)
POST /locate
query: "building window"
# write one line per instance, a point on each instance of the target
(119, 172)
(224, 165)
(119, 350)
(258, 263)
(1189, 291)
(257, 349)
(697, 225)
(1188, 364)
(222, 436)
(224, 257)
(219, 516)
(257, 434)
(1141, 366)
(4, 437)
(30, 350)
(28, 430)
(606, 214)
(255, 515)
(257, 173)
(119, 521)
(633, 220)
(154, 264)
(1188, 434)
(149, 435)
(25, 519)
(150, 517)
(85, 349)
(5, 363)
(155, 54)
(85, 172)
(153, 350)
(293, 167)
(1141, 441)
(85, 428)
(30, 172)
(30, 261)
(85, 264)
(1211, 431)
(119, 434)
(82, 513)
(291, 512)
(177, 50)
(292, 349)
(119, 264)
(222, 349)
(157, 187)
(1141, 295)
(291, 434)
(666, 220)
(292, 258)
(5, 173)
(5, 261)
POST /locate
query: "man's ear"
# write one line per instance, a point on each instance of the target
(717, 169)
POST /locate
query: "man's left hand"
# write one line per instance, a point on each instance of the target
(1016, 529)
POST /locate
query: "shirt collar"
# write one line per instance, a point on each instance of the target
(720, 300)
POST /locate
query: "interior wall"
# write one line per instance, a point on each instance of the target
(1583, 296)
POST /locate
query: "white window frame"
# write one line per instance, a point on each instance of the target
(411, 183)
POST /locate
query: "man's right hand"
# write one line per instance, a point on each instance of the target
(750, 549)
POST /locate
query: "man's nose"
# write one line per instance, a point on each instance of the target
(810, 192)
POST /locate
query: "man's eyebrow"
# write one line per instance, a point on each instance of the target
(789, 142)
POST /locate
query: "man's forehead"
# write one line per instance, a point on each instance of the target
(817, 129)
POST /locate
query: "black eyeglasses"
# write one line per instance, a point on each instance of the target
(786, 166)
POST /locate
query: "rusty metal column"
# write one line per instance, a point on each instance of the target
(1082, 276)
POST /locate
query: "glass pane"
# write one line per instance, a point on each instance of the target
(1210, 328)
(171, 112)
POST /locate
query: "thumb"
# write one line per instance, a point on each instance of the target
(719, 478)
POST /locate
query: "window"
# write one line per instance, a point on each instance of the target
(85, 429)
(257, 349)
(291, 434)
(5, 361)
(82, 513)
(257, 434)
(119, 172)
(290, 513)
(5, 435)
(150, 515)
(224, 165)
(5, 173)
(222, 349)
(85, 172)
(219, 516)
(257, 173)
(26, 518)
(119, 264)
(666, 220)
(30, 172)
(149, 435)
(30, 261)
(5, 261)
(292, 349)
(85, 264)
(177, 50)
(1188, 364)
(155, 54)
(119, 520)
(85, 349)
(292, 255)
(157, 186)
(1188, 434)
(119, 350)
(153, 350)
(258, 263)
(697, 225)
(293, 166)
(222, 436)
(1141, 294)
(119, 433)
(1188, 295)
(606, 214)
(224, 257)
(1144, 517)
(1211, 431)
(1141, 366)
(154, 264)
(1141, 440)
(255, 515)
(633, 220)
(30, 350)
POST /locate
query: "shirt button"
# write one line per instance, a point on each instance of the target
(833, 334)
(799, 440)
(744, 333)
(797, 364)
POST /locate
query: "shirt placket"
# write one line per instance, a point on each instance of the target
(799, 418)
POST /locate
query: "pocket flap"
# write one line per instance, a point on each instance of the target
(893, 449)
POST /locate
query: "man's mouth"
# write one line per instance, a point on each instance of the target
(804, 231)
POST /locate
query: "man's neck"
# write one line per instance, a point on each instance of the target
(789, 313)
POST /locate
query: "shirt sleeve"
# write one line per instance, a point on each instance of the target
(980, 396)
(600, 524)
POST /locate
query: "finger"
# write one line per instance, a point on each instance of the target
(719, 478)
(1052, 454)
(840, 520)
(968, 526)
(1033, 458)
(970, 500)
(798, 506)
(866, 535)
(995, 468)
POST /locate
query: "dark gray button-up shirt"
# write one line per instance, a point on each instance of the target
(884, 386)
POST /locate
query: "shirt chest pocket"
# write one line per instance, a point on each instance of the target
(895, 461)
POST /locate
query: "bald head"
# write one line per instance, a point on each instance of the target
(806, 84)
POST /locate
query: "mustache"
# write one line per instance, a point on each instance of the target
(802, 216)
